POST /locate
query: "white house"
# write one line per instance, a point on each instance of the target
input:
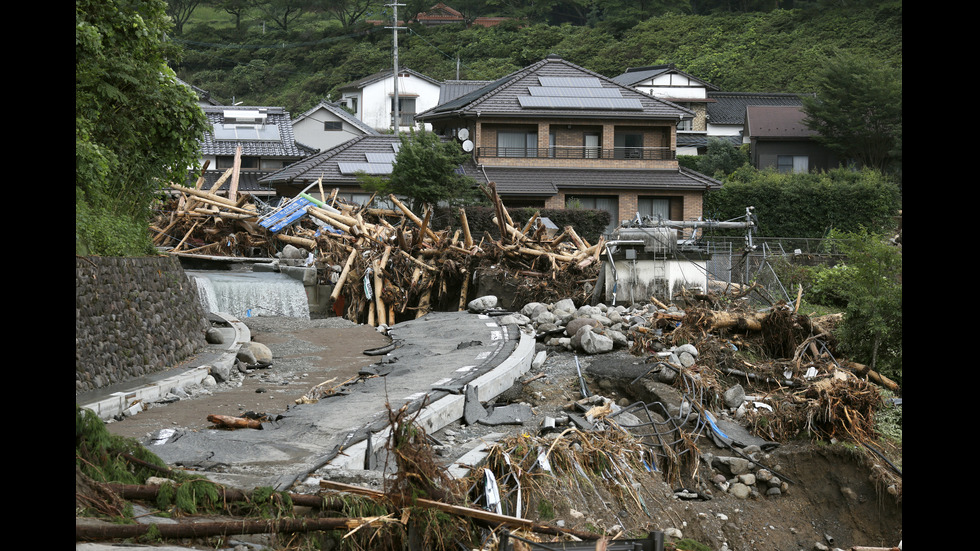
(668, 83)
(328, 125)
(372, 98)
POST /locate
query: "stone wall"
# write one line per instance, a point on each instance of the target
(133, 317)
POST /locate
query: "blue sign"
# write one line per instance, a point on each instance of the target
(285, 216)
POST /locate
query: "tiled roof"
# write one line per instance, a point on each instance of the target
(547, 181)
(636, 75)
(452, 89)
(381, 75)
(330, 164)
(248, 181)
(283, 146)
(729, 107)
(507, 97)
(779, 122)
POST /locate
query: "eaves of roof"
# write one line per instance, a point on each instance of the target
(636, 75)
(326, 164)
(547, 181)
(729, 107)
(339, 112)
(382, 75)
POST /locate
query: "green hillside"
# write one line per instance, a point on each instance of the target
(258, 63)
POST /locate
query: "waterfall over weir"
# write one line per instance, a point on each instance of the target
(251, 294)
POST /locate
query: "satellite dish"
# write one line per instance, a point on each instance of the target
(463, 134)
(467, 146)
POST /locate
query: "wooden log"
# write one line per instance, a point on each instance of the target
(308, 244)
(343, 276)
(467, 237)
(477, 514)
(411, 216)
(378, 287)
(236, 170)
(234, 422)
(181, 530)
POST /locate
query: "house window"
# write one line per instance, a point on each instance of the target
(224, 162)
(685, 125)
(333, 126)
(629, 145)
(792, 163)
(657, 208)
(406, 111)
(517, 144)
(609, 204)
(351, 102)
(591, 143)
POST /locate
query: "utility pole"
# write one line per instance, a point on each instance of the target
(395, 28)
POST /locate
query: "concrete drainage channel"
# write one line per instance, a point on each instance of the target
(447, 409)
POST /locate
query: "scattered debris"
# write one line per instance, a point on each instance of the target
(385, 265)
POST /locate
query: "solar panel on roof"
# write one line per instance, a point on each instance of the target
(551, 102)
(570, 82)
(578, 92)
(368, 168)
(380, 157)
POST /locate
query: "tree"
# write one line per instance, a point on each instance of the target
(284, 12)
(857, 111)
(137, 129)
(872, 286)
(235, 8)
(180, 12)
(721, 158)
(351, 12)
(426, 172)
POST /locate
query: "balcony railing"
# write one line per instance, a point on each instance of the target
(633, 153)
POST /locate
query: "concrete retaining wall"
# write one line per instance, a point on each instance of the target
(133, 317)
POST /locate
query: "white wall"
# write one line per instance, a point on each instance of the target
(309, 131)
(375, 104)
(645, 278)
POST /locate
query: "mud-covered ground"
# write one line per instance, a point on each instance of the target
(837, 495)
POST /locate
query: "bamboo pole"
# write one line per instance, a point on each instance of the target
(411, 216)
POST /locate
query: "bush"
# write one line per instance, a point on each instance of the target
(808, 205)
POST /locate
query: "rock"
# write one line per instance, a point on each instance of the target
(482, 304)
(739, 490)
(539, 359)
(565, 305)
(220, 373)
(572, 327)
(734, 396)
(246, 356)
(748, 479)
(214, 336)
(261, 352)
(590, 342)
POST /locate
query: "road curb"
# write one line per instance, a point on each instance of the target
(134, 398)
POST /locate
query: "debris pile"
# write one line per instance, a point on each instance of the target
(385, 265)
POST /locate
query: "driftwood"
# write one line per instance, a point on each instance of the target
(392, 264)
(227, 421)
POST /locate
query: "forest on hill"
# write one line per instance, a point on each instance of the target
(261, 53)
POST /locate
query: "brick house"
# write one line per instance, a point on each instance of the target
(554, 135)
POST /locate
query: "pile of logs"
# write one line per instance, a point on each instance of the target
(385, 265)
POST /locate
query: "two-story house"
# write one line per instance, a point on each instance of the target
(781, 140)
(372, 98)
(265, 136)
(554, 134)
(669, 83)
(327, 125)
